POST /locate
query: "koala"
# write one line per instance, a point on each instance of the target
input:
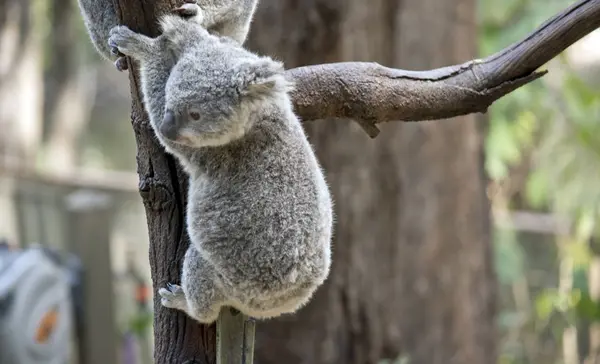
(229, 18)
(259, 212)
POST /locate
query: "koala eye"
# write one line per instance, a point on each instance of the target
(195, 115)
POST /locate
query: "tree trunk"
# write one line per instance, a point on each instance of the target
(163, 187)
(412, 272)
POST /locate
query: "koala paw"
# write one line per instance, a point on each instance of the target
(172, 297)
(188, 10)
(121, 39)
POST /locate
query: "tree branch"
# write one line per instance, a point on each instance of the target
(370, 93)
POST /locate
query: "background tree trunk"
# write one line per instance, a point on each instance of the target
(21, 84)
(412, 271)
(69, 89)
(21, 99)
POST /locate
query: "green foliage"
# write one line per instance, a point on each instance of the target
(537, 189)
(551, 301)
(508, 255)
(568, 157)
(575, 304)
(140, 323)
(558, 123)
(507, 139)
(507, 21)
(579, 253)
(554, 126)
(587, 308)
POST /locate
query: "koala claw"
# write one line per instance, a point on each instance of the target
(172, 296)
(115, 51)
(173, 288)
(121, 64)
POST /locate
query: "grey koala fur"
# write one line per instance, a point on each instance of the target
(230, 18)
(259, 210)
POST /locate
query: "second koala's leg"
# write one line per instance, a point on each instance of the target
(236, 20)
(99, 17)
(231, 18)
(199, 297)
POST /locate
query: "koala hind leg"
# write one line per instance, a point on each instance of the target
(199, 297)
(173, 297)
(199, 281)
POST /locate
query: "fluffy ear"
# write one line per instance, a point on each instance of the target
(261, 77)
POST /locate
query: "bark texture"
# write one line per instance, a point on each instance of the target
(163, 187)
(412, 271)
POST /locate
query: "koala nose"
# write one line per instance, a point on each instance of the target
(168, 128)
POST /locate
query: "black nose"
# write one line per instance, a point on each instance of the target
(168, 128)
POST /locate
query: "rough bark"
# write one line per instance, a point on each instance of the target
(163, 187)
(412, 271)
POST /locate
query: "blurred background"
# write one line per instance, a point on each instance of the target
(471, 240)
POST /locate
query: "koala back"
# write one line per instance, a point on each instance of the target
(261, 212)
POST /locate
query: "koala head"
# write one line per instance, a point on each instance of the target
(214, 101)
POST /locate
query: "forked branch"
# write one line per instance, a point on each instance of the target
(370, 93)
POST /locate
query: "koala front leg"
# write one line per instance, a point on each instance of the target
(199, 297)
(124, 41)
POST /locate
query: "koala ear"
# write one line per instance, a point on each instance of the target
(262, 77)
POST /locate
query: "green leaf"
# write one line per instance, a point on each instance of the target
(536, 189)
(544, 303)
(588, 309)
(140, 323)
(579, 252)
